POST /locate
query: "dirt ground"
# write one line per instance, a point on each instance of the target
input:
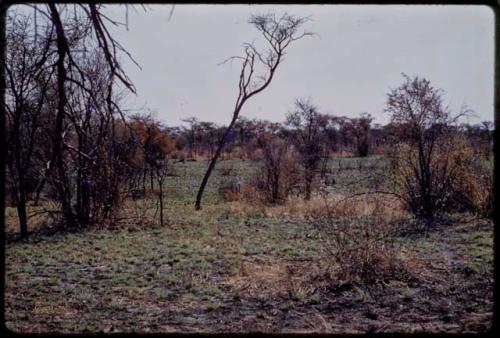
(240, 267)
(229, 274)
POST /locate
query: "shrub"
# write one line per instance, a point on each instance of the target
(230, 190)
(279, 172)
(178, 155)
(427, 154)
(226, 170)
(359, 240)
(473, 186)
(454, 179)
(360, 252)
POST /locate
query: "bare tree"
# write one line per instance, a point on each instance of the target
(307, 126)
(359, 130)
(279, 34)
(425, 159)
(329, 144)
(26, 94)
(75, 31)
(161, 173)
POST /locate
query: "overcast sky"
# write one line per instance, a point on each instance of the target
(358, 54)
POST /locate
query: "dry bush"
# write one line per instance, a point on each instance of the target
(360, 249)
(279, 173)
(248, 194)
(250, 202)
(424, 182)
(226, 170)
(230, 190)
(457, 180)
(135, 215)
(178, 155)
(264, 281)
(252, 195)
(239, 152)
(362, 252)
(473, 187)
(387, 208)
(256, 154)
(229, 195)
(259, 281)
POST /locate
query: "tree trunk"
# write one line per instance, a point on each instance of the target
(218, 152)
(20, 191)
(308, 182)
(40, 188)
(21, 211)
(161, 201)
(63, 186)
(151, 176)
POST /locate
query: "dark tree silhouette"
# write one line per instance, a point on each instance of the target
(26, 94)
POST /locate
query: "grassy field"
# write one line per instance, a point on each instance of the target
(233, 267)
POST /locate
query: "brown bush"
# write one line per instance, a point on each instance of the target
(360, 249)
(458, 180)
(473, 186)
(279, 172)
(256, 154)
(226, 170)
(362, 252)
(239, 152)
(230, 190)
(229, 195)
(252, 195)
(178, 155)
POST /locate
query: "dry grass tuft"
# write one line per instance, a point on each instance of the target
(259, 281)
(387, 208)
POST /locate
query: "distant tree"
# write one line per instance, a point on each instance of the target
(329, 142)
(307, 124)
(279, 34)
(192, 134)
(155, 144)
(208, 134)
(359, 130)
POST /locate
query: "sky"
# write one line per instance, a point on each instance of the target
(347, 68)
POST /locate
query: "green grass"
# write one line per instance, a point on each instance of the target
(188, 274)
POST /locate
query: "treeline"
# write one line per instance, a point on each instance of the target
(343, 136)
